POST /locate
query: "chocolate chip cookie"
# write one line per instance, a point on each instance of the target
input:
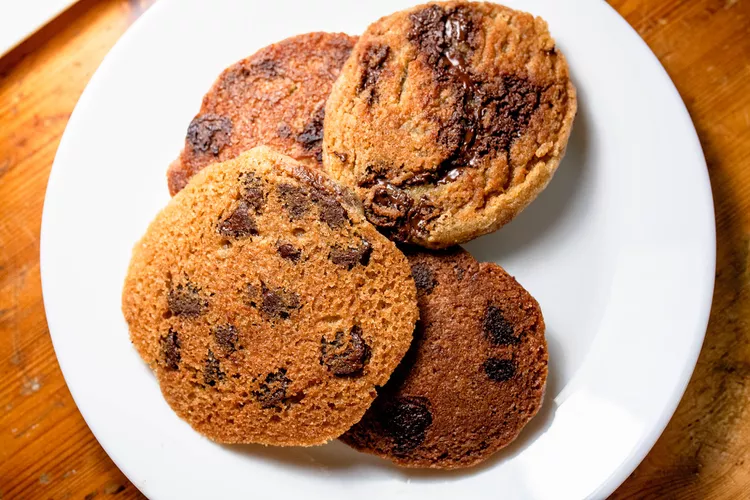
(265, 303)
(275, 97)
(474, 376)
(448, 119)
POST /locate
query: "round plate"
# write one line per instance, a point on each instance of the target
(619, 251)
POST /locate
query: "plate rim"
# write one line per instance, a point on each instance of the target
(640, 450)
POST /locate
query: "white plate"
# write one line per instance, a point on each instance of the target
(619, 251)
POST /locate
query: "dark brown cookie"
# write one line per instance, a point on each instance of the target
(275, 97)
(474, 375)
(266, 304)
(448, 119)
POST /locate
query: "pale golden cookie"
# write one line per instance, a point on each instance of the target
(448, 119)
(265, 303)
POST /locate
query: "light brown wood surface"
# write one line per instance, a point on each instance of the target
(46, 449)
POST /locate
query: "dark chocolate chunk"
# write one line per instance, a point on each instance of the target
(240, 224)
(406, 421)
(387, 206)
(424, 278)
(267, 68)
(372, 61)
(497, 329)
(331, 212)
(460, 271)
(278, 302)
(288, 251)
(209, 133)
(375, 173)
(212, 372)
(348, 257)
(311, 137)
(395, 213)
(170, 349)
(272, 391)
(226, 337)
(185, 300)
(252, 191)
(500, 370)
(295, 200)
(321, 186)
(421, 216)
(345, 358)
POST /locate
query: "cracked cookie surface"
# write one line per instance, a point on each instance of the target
(275, 97)
(448, 119)
(265, 303)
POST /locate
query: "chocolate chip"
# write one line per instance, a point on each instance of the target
(252, 191)
(421, 216)
(500, 370)
(240, 224)
(272, 392)
(507, 107)
(424, 278)
(278, 302)
(446, 37)
(267, 68)
(345, 358)
(185, 300)
(497, 329)
(209, 133)
(387, 206)
(395, 213)
(406, 421)
(372, 61)
(311, 137)
(460, 271)
(348, 257)
(170, 349)
(374, 173)
(295, 200)
(288, 251)
(321, 186)
(226, 337)
(212, 372)
(331, 212)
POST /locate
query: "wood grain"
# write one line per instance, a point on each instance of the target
(46, 450)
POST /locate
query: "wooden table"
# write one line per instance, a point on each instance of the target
(46, 450)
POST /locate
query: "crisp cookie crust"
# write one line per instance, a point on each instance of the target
(275, 97)
(265, 303)
(474, 375)
(448, 119)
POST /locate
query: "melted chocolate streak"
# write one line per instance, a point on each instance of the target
(454, 29)
(473, 101)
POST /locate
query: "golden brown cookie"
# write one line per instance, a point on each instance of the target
(474, 376)
(275, 97)
(265, 303)
(448, 119)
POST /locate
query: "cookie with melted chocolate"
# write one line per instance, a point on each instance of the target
(474, 375)
(275, 97)
(265, 303)
(448, 119)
